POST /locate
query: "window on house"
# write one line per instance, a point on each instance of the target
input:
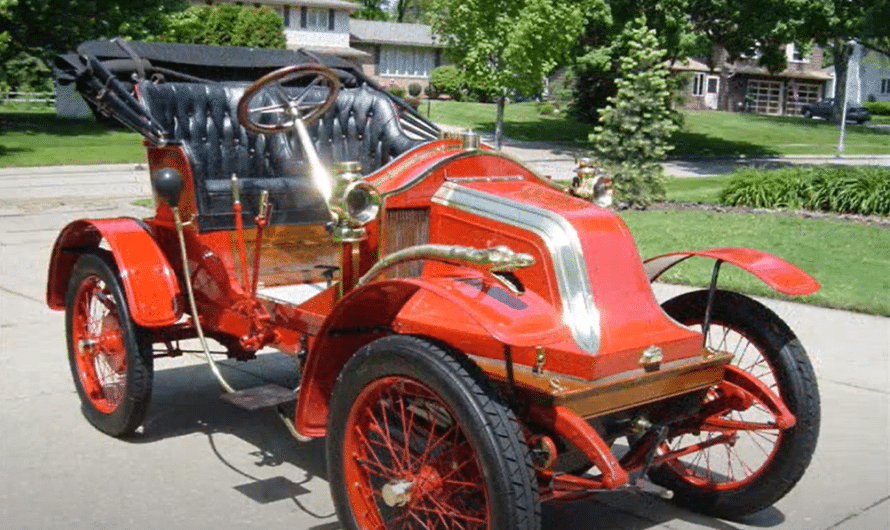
(885, 86)
(406, 61)
(317, 19)
(796, 55)
(698, 85)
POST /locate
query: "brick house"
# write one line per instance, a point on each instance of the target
(396, 53)
(388, 52)
(743, 85)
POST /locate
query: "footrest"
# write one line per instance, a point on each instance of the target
(260, 397)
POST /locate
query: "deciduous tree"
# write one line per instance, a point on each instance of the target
(37, 30)
(511, 44)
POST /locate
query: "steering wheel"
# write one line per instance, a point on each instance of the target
(267, 98)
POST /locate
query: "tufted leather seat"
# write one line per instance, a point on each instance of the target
(361, 125)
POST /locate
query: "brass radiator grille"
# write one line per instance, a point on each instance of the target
(406, 228)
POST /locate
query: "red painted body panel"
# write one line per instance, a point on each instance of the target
(150, 284)
(467, 311)
(779, 274)
(630, 318)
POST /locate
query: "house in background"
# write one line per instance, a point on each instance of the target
(315, 25)
(744, 85)
(396, 53)
(701, 88)
(388, 52)
(870, 78)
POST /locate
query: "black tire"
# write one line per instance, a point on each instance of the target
(480, 478)
(110, 356)
(783, 365)
(807, 113)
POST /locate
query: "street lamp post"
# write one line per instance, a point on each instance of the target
(854, 60)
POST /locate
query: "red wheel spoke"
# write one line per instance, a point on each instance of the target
(367, 443)
(433, 457)
(454, 513)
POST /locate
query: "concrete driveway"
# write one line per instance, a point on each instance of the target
(201, 463)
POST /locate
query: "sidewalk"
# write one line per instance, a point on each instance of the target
(558, 161)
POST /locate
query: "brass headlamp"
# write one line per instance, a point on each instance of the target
(353, 202)
(591, 182)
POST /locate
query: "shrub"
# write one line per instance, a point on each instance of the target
(856, 190)
(259, 27)
(430, 92)
(447, 80)
(396, 91)
(634, 132)
(878, 107)
(546, 109)
(415, 89)
(226, 25)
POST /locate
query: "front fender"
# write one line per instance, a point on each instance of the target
(149, 281)
(472, 314)
(779, 274)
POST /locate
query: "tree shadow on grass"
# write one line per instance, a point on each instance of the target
(816, 123)
(561, 129)
(687, 144)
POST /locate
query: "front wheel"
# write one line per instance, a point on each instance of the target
(745, 463)
(418, 440)
(807, 113)
(110, 356)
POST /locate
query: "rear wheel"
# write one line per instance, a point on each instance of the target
(418, 440)
(751, 464)
(110, 356)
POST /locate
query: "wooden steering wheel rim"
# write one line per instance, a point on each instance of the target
(303, 70)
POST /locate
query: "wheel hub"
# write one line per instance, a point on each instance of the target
(396, 493)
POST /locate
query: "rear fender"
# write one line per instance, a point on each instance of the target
(779, 274)
(471, 314)
(149, 282)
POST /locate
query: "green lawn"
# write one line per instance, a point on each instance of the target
(704, 133)
(850, 260)
(39, 138)
(696, 189)
(709, 133)
(521, 121)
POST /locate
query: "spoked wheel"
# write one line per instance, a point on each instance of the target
(110, 357)
(745, 462)
(277, 100)
(417, 440)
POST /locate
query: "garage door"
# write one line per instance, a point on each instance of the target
(765, 96)
(800, 94)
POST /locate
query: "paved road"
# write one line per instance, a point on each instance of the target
(202, 464)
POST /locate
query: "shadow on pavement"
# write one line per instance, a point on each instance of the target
(186, 403)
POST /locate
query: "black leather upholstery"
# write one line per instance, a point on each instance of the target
(361, 125)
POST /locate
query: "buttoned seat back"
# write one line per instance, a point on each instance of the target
(361, 125)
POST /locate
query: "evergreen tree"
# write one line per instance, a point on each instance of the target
(635, 128)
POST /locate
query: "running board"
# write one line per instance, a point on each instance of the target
(260, 397)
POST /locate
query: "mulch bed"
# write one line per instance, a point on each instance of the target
(870, 220)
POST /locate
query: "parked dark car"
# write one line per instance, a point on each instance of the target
(824, 108)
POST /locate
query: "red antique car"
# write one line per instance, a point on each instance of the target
(472, 338)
